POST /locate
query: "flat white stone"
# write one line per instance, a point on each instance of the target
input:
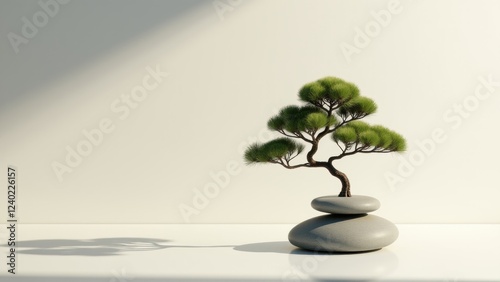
(356, 204)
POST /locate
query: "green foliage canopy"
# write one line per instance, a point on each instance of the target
(335, 105)
(297, 119)
(273, 151)
(375, 136)
(357, 107)
(328, 90)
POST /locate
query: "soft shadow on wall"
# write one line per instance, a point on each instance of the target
(75, 35)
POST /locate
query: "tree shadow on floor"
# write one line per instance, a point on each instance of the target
(120, 245)
(97, 247)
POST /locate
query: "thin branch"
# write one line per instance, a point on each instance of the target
(296, 166)
(300, 135)
(286, 134)
(344, 121)
(325, 131)
(337, 105)
(340, 147)
(320, 105)
(292, 158)
(287, 165)
(360, 150)
(295, 135)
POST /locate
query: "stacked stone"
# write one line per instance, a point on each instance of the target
(347, 227)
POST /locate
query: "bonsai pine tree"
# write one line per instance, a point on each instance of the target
(333, 109)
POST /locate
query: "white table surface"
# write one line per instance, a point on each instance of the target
(119, 253)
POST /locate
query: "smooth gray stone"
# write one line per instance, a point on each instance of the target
(344, 233)
(346, 205)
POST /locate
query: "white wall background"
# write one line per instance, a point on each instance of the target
(227, 75)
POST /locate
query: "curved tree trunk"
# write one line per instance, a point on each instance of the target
(346, 186)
